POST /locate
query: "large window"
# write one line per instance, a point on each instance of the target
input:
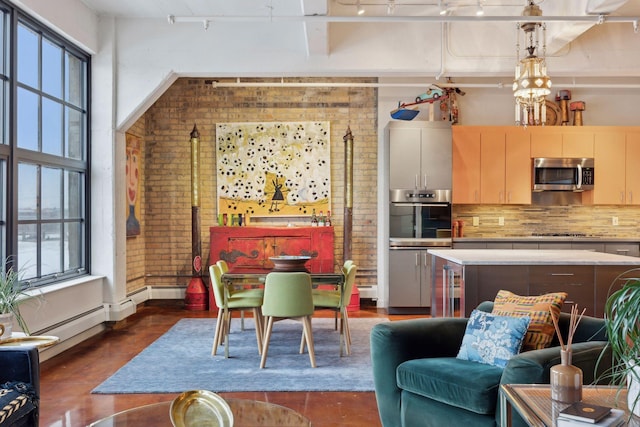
(44, 152)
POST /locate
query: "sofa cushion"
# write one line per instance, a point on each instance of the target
(541, 329)
(492, 339)
(17, 400)
(461, 383)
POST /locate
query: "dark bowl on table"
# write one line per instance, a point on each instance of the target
(289, 263)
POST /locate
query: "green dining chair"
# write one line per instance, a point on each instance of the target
(339, 301)
(334, 288)
(227, 303)
(288, 296)
(244, 291)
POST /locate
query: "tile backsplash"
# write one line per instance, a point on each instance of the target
(525, 220)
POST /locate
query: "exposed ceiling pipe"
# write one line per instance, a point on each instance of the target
(442, 44)
(598, 19)
(496, 85)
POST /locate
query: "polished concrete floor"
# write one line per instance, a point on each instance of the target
(67, 379)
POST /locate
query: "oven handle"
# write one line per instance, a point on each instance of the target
(414, 248)
(435, 205)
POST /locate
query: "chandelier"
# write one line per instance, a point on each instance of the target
(531, 84)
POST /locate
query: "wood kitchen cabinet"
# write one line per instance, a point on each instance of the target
(482, 283)
(480, 274)
(610, 151)
(632, 179)
(562, 141)
(251, 247)
(616, 152)
(466, 165)
(492, 165)
(419, 155)
(608, 279)
(517, 174)
(576, 280)
(492, 160)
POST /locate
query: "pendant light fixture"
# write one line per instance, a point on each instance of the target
(532, 83)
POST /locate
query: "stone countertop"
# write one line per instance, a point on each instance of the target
(531, 257)
(559, 239)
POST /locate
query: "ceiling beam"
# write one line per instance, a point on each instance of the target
(598, 19)
(316, 33)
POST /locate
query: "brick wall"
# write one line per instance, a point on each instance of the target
(136, 250)
(166, 222)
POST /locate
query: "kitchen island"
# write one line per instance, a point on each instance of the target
(463, 278)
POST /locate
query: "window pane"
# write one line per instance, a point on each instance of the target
(3, 209)
(51, 193)
(28, 64)
(73, 195)
(51, 232)
(3, 44)
(27, 192)
(51, 249)
(51, 127)
(4, 102)
(74, 75)
(73, 250)
(74, 134)
(27, 119)
(51, 69)
(28, 250)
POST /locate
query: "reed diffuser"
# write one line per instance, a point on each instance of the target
(566, 379)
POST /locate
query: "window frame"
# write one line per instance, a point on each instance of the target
(13, 155)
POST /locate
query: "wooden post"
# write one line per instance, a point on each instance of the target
(196, 294)
(348, 194)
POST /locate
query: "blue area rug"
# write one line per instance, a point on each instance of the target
(181, 360)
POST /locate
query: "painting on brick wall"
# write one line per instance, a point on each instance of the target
(133, 184)
(273, 168)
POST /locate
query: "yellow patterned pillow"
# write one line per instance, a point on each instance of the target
(541, 330)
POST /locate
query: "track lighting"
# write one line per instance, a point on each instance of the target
(391, 7)
(359, 8)
(480, 9)
(442, 7)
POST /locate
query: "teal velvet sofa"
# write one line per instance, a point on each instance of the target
(419, 382)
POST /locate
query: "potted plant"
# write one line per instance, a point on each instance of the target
(622, 322)
(12, 294)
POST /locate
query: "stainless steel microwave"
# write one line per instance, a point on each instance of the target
(563, 174)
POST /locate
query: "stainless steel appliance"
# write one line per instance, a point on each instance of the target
(418, 220)
(563, 174)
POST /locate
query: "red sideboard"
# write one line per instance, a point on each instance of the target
(251, 247)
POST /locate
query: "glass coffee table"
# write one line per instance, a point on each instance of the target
(533, 402)
(246, 413)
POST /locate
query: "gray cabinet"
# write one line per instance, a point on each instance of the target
(409, 280)
(608, 279)
(420, 155)
(482, 283)
(576, 280)
(628, 249)
(611, 246)
(586, 285)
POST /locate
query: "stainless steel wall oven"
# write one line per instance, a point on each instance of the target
(418, 220)
(416, 217)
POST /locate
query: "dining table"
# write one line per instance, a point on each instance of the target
(255, 277)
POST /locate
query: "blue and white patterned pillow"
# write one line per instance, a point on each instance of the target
(492, 339)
